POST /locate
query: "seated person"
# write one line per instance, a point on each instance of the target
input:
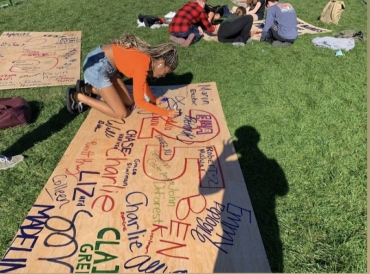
(281, 24)
(216, 12)
(210, 10)
(236, 28)
(256, 8)
(185, 23)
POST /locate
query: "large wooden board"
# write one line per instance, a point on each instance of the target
(256, 31)
(145, 194)
(37, 59)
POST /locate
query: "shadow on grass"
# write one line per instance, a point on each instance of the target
(170, 79)
(36, 109)
(42, 132)
(173, 79)
(265, 181)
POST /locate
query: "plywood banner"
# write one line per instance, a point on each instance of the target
(256, 31)
(39, 59)
(302, 27)
(145, 194)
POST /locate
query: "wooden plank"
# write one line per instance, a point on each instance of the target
(302, 27)
(145, 194)
(38, 59)
(256, 31)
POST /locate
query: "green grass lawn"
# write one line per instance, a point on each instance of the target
(297, 117)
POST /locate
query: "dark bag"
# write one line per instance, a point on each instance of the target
(150, 20)
(14, 111)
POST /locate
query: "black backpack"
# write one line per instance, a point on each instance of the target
(149, 20)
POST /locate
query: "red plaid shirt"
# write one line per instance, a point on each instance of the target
(190, 14)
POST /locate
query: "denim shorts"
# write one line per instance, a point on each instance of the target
(193, 29)
(98, 70)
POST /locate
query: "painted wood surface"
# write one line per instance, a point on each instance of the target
(38, 59)
(256, 31)
(145, 194)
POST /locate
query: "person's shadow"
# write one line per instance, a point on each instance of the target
(265, 181)
(170, 79)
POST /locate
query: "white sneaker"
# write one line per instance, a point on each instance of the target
(6, 163)
(238, 44)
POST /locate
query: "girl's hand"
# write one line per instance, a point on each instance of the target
(174, 113)
(200, 30)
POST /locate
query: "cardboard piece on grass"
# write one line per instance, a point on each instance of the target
(145, 193)
(39, 59)
(302, 26)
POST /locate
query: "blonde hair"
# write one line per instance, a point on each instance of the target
(240, 11)
(166, 51)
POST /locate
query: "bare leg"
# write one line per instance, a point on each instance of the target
(255, 17)
(122, 91)
(113, 105)
(120, 88)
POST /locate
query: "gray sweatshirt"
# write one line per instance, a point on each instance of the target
(285, 17)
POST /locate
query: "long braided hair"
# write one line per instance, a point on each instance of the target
(166, 51)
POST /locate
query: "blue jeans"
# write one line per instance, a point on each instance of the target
(185, 34)
(226, 10)
(98, 70)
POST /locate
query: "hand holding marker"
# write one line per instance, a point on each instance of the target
(165, 99)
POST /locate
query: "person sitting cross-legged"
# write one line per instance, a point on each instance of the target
(280, 28)
(186, 27)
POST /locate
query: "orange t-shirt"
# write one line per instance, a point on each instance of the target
(135, 64)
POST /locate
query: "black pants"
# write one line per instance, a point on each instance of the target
(275, 36)
(236, 31)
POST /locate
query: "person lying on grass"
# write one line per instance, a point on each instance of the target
(217, 12)
(132, 57)
(236, 28)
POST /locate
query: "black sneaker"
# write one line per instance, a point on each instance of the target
(73, 105)
(81, 88)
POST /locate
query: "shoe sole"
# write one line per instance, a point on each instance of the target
(3, 168)
(281, 44)
(79, 85)
(69, 92)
